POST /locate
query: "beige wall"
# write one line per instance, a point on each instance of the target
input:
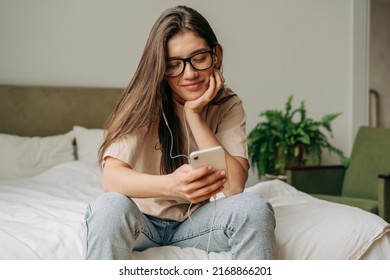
(314, 49)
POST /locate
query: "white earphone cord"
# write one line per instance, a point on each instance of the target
(187, 156)
(171, 134)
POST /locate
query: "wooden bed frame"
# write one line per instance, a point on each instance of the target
(50, 110)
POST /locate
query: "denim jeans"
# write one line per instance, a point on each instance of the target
(242, 224)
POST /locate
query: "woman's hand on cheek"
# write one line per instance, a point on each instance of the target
(215, 84)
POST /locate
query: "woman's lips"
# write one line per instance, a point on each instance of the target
(193, 86)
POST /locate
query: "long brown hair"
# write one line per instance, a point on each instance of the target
(148, 94)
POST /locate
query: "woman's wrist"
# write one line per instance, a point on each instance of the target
(193, 116)
(192, 111)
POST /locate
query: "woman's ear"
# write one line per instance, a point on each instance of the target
(218, 56)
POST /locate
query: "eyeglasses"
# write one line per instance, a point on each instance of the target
(199, 61)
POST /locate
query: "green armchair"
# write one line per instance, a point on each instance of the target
(365, 183)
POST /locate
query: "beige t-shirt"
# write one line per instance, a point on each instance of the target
(141, 151)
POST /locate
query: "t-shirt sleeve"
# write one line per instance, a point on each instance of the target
(231, 131)
(127, 148)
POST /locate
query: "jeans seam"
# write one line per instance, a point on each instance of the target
(145, 233)
(204, 232)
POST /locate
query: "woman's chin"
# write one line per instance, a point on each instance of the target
(188, 98)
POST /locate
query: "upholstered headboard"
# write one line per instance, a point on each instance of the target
(50, 110)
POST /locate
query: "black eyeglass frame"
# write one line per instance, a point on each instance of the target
(188, 59)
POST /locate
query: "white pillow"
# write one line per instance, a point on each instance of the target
(311, 228)
(28, 156)
(88, 141)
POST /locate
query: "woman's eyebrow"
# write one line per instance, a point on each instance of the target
(191, 54)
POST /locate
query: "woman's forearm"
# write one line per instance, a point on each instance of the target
(119, 177)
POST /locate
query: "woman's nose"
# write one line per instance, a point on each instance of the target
(189, 71)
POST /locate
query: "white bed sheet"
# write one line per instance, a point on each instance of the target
(42, 218)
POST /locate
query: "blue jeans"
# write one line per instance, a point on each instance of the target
(242, 224)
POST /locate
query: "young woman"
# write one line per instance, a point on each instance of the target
(177, 103)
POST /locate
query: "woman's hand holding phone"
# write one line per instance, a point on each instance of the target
(196, 185)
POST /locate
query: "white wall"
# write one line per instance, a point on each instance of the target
(314, 49)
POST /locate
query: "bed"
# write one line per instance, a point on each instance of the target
(49, 138)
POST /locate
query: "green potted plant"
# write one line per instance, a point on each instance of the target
(289, 138)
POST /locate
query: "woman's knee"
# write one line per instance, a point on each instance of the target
(110, 208)
(112, 201)
(254, 207)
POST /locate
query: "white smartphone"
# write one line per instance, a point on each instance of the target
(213, 156)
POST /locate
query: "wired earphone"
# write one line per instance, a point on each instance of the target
(187, 156)
(170, 132)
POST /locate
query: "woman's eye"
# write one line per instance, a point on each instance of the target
(199, 58)
(174, 64)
